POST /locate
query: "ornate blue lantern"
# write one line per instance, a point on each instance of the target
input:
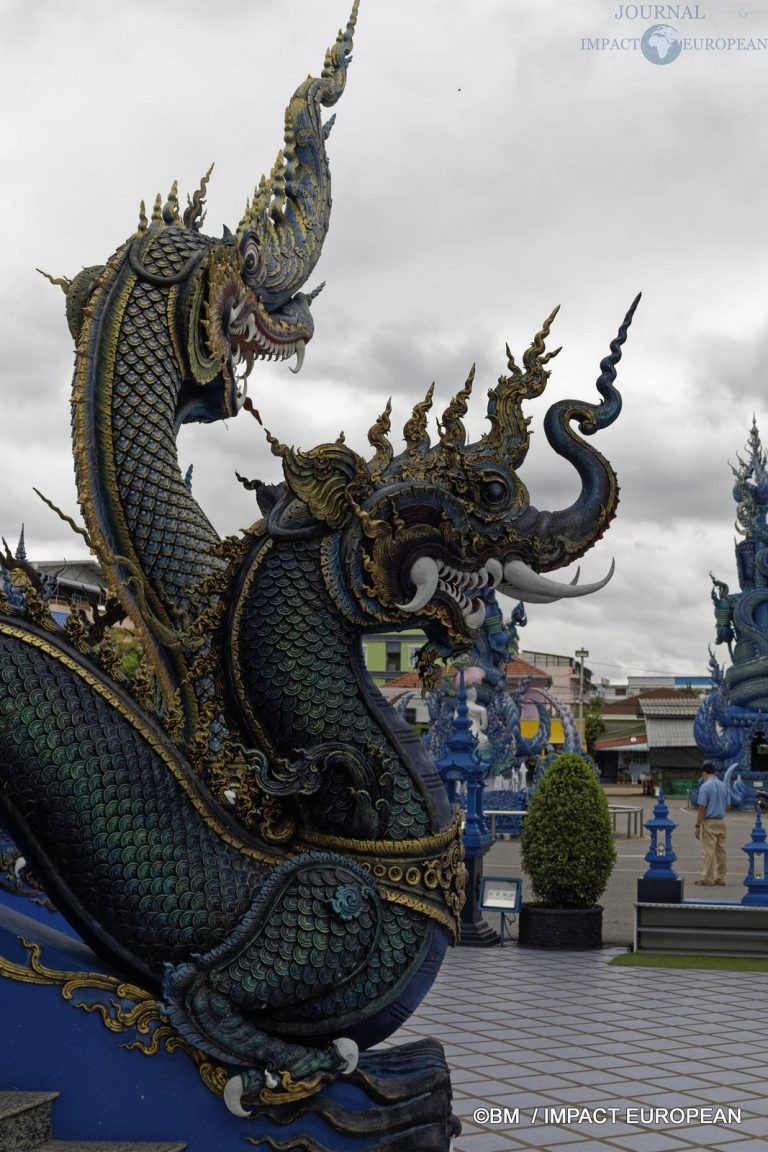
(756, 881)
(660, 855)
(461, 763)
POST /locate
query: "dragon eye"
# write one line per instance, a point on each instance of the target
(494, 492)
(251, 258)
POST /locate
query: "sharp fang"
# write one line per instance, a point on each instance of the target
(242, 393)
(495, 571)
(476, 618)
(270, 1079)
(300, 349)
(424, 576)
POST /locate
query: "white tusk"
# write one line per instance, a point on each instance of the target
(424, 574)
(522, 583)
(270, 1079)
(349, 1052)
(233, 1095)
(300, 349)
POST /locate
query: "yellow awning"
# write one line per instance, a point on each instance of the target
(529, 728)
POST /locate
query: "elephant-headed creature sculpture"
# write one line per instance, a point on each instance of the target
(320, 905)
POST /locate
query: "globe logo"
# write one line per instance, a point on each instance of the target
(661, 44)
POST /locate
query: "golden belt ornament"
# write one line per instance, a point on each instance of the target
(426, 874)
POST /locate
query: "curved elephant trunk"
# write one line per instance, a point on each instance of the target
(290, 210)
(559, 537)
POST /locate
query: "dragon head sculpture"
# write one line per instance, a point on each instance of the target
(416, 537)
(237, 299)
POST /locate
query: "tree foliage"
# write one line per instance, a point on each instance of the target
(594, 724)
(129, 649)
(567, 841)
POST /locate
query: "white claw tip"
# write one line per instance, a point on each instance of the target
(233, 1095)
(349, 1052)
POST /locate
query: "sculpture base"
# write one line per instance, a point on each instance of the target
(662, 891)
(478, 934)
(570, 929)
(397, 1100)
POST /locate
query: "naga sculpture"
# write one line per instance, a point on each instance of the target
(247, 829)
(733, 719)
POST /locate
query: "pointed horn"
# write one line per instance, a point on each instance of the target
(290, 212)
(509, 427)
(171, 206)
(194, 213)
(561, 536)
(60, 281)
(522, 583)
(534, 358)
(453, 434)
(378, 439)
(415, 430)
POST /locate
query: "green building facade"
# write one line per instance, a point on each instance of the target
(388, 655)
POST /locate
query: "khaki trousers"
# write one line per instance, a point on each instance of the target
(713, 847)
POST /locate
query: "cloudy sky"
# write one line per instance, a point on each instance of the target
(488, 164)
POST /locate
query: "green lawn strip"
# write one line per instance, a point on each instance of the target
(722, 963)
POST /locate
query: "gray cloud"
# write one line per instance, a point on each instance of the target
(485, 168)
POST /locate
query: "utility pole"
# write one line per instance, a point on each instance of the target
(581, 655)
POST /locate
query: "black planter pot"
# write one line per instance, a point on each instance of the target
(570, 929)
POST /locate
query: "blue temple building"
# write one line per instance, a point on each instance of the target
(731, 726)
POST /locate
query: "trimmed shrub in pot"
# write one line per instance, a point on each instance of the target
(568, 853)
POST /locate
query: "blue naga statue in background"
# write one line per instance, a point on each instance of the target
(732, 722)
(245, 829)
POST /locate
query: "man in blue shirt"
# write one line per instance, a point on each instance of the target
(710, 826)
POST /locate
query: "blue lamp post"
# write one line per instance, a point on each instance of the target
(460, 762)
(659, 884)
(756, 881)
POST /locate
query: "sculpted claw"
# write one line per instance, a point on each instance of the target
(233, 1095)
(349, 1052)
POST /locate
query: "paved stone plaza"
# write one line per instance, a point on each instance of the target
(640, 1056)
(625, 1049)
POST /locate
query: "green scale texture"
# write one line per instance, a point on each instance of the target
(141, 860)
(300, 677)
(170, 533)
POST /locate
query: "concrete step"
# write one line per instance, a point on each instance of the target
(25, 1120)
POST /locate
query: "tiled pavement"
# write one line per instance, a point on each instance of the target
(531, 1030)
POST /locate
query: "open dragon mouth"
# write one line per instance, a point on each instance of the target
(516, 579)
(249, 343)
(239, 330)
(433, 577)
